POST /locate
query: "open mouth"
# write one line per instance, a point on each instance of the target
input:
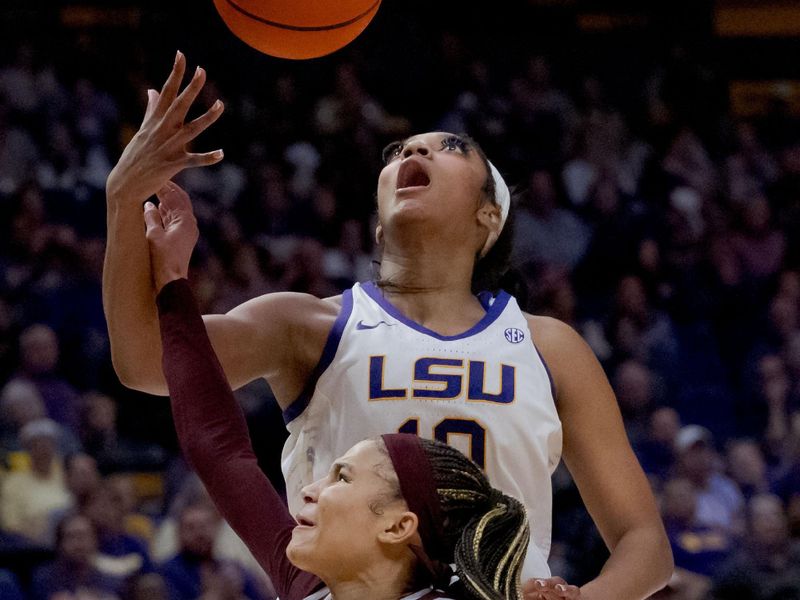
(303, 522)
(412, 174)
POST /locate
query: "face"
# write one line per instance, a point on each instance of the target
(434, 178)
(196, 530)
(346, 514)
(78, 540)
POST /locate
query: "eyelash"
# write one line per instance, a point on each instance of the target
(450, 143)
(339, 476)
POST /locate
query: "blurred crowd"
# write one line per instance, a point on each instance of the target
(649, 217)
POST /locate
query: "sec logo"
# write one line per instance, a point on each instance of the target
(514, 335)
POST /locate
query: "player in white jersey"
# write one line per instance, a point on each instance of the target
(446, 361)
(486, 391)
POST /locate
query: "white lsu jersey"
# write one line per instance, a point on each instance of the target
(486, 392)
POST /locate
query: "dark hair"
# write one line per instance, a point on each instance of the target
(485, 531)
(488, 530)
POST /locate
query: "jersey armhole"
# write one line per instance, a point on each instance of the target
(296, 408)
(553, 391)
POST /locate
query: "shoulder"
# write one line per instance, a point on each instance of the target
(559, 344)
(289, 305)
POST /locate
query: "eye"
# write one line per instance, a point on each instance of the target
(338, 474)
(391, 152)
(453, 142)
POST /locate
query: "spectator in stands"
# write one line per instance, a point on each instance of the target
(696, 548)
(719, 502)
(20, 403)
(657, 451)
(101, 438)
(39, 358)
(73, 568)
(747, 467)
(193, 571)
(545, 231)
(768, 564)
(635, 388)
(29, 496)
(119, 554)
(82, 480)
(228, 547)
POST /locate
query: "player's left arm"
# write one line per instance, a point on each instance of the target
(599, 457)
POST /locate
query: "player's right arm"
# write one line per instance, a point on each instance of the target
(154, 155)
(257, 339)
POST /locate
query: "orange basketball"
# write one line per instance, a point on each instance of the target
(297, 28)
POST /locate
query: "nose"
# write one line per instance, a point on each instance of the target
(417, 146)
(310, 492)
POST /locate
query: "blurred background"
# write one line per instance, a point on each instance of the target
(655, 150)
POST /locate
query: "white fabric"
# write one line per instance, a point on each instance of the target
(522, 437)
(502, 195)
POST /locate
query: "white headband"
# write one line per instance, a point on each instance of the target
(502, 196)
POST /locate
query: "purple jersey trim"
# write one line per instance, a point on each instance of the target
(296, 408)
(492, 312)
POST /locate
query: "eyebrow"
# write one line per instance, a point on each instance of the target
(339, 465)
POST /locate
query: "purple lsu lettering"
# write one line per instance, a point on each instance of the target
(449, 378)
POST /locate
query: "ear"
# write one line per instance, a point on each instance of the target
(379, 234)
(400, 530)
(488, 216)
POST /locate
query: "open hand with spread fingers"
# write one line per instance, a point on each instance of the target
(159, 151)
(552, 588)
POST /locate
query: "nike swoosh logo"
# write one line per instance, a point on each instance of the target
(362, 325)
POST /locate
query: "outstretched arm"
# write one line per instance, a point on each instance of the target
(609, 478)
(276, 336)
(211, 427)
(155, 154)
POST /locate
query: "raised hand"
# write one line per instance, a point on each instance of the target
(171, 232)
(158, 151)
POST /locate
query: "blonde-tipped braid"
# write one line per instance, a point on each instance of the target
(487, 530)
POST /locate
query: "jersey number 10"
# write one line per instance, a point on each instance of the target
(448, 427)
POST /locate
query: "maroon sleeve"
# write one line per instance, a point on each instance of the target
(214, 438)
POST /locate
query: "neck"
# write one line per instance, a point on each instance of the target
(440, 299)
(385, 581)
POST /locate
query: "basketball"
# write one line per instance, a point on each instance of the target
(297, 29)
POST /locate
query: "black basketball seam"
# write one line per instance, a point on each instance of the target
(238, 8)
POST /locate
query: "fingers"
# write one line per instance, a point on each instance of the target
(152, 100)
(194, 128)
(152, 220)
(553, 588)
(172, 85)
(205, 159)
(180, 107)
(173, 197)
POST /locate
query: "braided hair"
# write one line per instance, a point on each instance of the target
(487, 530)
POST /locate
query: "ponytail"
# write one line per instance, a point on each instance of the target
(487, 530)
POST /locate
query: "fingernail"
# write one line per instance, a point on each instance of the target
(197, 72)
(217, 105)
(561, 587)
(149, 204)
(177, 56)
(219, 154)
(540, 583)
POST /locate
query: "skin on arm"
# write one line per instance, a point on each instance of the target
(277, 336)
(154, 155)
(599, 457)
